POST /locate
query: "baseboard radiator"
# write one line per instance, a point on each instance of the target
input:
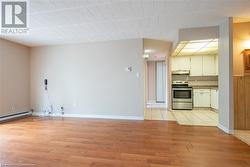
(9, 117)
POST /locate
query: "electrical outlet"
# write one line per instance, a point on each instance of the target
(13, 108)
(62, 110)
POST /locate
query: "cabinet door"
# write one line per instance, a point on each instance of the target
(208, 65)
(180, 63)
(202, 98)
(216, 102)
(196, 66)
(216, 65)
(206, 102)
(197, 98)
(247, 97)
(214, 99)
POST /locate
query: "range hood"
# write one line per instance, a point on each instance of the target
(196, 47)
(181, 72)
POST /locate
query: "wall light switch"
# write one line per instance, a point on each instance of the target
(138, 75)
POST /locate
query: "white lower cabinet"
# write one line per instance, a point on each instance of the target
(214, 99)
(206, 98)
(202, 98)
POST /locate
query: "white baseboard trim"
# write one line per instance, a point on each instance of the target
(225, 129)
(91, 116)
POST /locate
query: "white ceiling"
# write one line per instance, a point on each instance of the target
(72, 21)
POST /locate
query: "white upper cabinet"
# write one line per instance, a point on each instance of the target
(180, 63)
(208, 65)
(196, 66)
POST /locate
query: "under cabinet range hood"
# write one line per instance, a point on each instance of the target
(181, 72)
(197, 47)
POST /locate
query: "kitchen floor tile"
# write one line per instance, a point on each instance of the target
(183, 117)
(196, 117)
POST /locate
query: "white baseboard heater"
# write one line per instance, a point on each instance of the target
(14, 116)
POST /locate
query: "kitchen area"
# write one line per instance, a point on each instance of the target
(194, 73)
(190, 81)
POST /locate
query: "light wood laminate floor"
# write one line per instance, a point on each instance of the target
(243, 135)
(71, 142)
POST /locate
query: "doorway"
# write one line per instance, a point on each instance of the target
(156, 86)
(156, 79)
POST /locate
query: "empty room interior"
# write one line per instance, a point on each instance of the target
(125, 83)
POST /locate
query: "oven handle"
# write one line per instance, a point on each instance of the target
(182, 89)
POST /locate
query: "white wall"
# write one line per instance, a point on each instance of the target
(14, 78)
(198, 33)
(90, 79)
(226, 76)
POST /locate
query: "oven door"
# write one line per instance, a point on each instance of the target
(182, 94)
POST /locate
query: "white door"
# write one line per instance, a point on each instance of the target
(160, 82)
(196, 66)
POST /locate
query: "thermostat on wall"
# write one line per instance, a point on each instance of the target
(128, 69)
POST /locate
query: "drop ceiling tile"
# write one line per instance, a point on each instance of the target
(120, 19)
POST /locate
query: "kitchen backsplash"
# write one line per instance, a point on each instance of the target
(194, 78)
(197, 81)
(203, 83)
(203, 78)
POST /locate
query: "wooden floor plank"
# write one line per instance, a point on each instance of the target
(37, 141)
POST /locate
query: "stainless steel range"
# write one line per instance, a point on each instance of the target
(182, 96)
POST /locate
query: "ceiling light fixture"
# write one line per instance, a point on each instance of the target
(201, 47)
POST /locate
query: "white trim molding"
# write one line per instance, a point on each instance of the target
(225, 129)
(90, 116)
